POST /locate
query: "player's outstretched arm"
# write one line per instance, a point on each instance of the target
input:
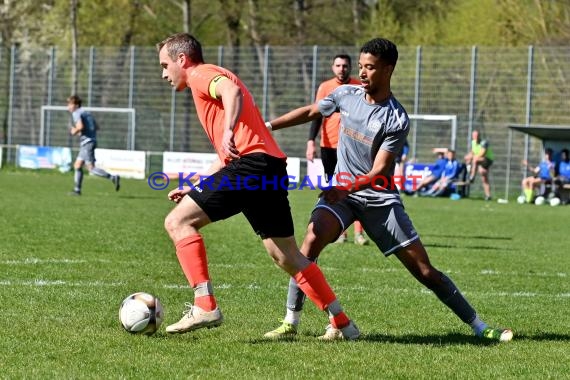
(297, 116)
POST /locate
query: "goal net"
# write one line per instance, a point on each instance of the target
(428, 132)
(116, 127)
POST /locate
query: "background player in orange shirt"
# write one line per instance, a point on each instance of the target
(341, 68)
(246, 150)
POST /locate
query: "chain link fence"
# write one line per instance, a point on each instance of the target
(488, 88)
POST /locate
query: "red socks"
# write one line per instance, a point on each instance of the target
(191, 253)
(313, 283)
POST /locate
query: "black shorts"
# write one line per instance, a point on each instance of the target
(486, 163)
(255, 184)
(329, 158)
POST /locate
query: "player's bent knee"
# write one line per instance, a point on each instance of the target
(429, 276)
(323, 232)
(174, 222)
(170, 224)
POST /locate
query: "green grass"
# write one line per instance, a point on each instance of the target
(66, 263)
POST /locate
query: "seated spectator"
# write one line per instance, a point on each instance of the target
(562, 176)
(436, 172)
(450, 172)
(542, 174)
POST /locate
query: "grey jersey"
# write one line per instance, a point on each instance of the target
(365, 129)
(89, 131)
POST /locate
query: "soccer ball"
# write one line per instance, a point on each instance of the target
(521, 199)
(539, 201)
(141, 313)
(555, 201)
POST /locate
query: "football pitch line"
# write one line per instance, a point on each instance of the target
(327, 268)
(38, 283)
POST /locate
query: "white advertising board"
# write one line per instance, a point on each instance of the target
(126, 163)
(174, 163)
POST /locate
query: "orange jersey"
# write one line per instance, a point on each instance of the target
(331, 124)
(250, 133)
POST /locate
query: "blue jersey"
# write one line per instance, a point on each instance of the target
(451, 169)
(439, 167)
(405, 150)
(545, 169)
(89, 131)
(564, 169)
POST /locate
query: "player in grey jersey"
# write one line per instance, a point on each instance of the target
(374, 127)
(85, 126)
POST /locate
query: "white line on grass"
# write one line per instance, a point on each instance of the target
(36, 261)
(487, 272)
(255, 287)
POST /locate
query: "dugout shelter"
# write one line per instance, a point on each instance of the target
(556, 137)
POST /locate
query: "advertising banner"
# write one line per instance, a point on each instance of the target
(44, 157)
(418, 171)
(126, 163)
(174, 163)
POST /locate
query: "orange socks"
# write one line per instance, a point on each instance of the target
(313, 283)
(191, 253)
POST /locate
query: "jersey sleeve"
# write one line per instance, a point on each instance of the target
(394, 141)
(76, 116)
(203, 78)
(321, 92)
(330, 103)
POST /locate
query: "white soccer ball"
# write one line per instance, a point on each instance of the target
(539, 201)
(141, 313)
(555, 201)
(521, 199)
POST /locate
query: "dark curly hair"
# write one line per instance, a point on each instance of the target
(383, 49)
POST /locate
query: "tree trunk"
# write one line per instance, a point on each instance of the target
(73, 10)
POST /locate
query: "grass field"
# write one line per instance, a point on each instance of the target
(67, 262)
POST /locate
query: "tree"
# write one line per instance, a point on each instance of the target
(73, 14)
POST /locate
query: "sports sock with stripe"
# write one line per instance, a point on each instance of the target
(78, 179)
(191, 253)
(448, 293)
(313, 283)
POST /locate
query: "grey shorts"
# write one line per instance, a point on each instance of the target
(388, 226)
(87, 153)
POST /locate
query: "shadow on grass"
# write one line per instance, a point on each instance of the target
(140, 197)
(456, 246)
(450, 339)
(432, 340)
(469, 237)
(543, 336)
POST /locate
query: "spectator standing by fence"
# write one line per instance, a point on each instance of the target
(479, 160)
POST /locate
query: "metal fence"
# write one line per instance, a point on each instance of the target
(486, 87)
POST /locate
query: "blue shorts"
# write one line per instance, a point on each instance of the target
(388, 226)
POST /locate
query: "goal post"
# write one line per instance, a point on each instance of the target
(432, 131)
(46, 122)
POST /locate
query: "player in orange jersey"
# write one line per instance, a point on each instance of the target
(245, 149)
(329, 127)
